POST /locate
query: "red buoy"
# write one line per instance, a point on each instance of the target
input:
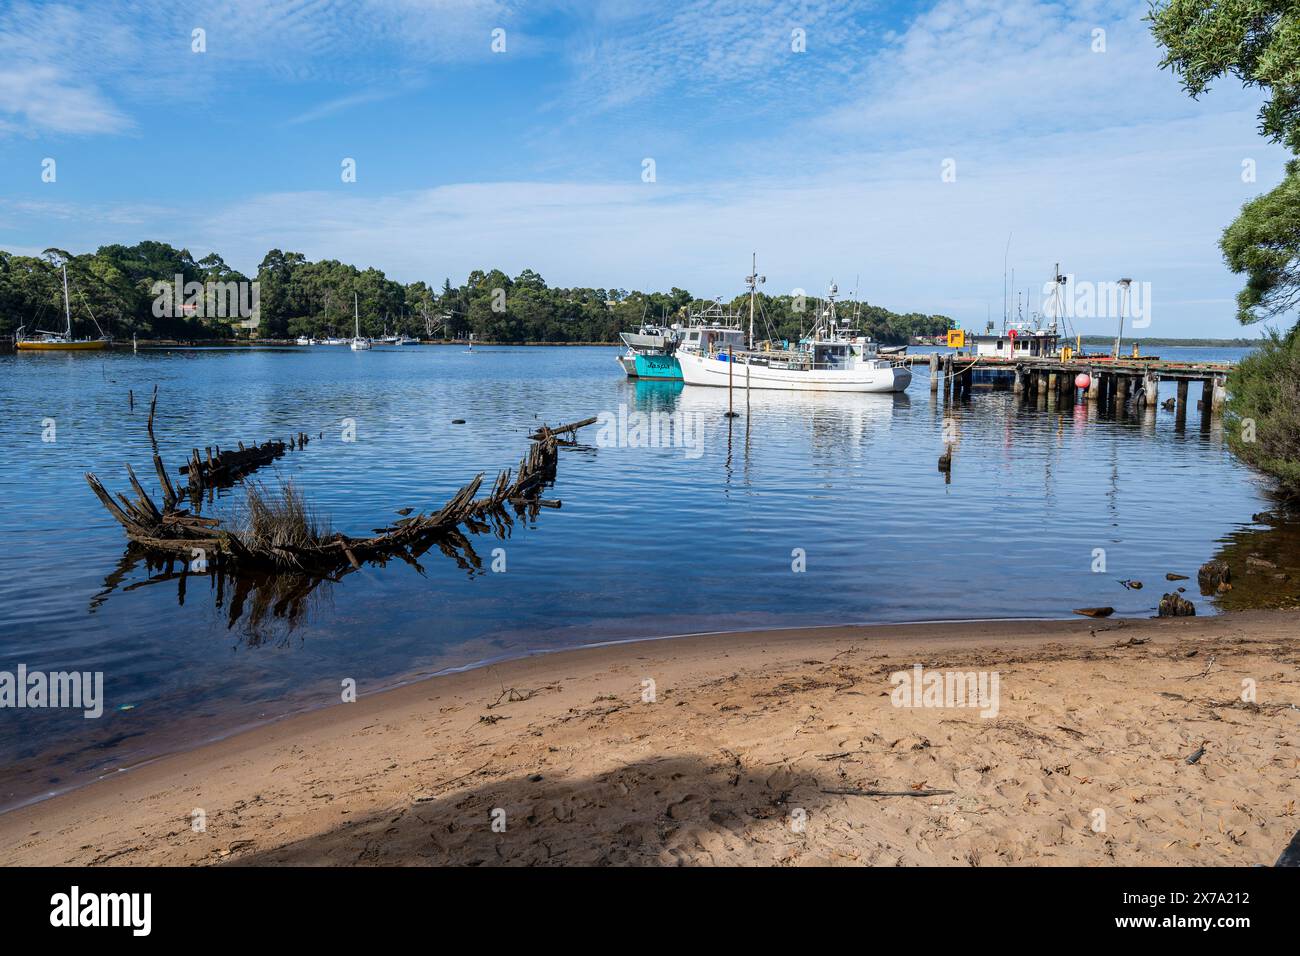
(1082, 380)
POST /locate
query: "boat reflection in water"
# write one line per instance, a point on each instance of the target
(835, 422)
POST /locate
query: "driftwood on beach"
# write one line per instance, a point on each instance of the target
(280, 533)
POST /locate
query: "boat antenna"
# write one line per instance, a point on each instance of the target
(1005, 253)
(753, 280)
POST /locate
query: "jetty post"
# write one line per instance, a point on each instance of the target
(934, 372)
(1151, 388)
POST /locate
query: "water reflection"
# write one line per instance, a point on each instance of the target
(1265, 562)
(266, 606)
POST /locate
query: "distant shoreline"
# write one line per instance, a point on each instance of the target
(119, 344)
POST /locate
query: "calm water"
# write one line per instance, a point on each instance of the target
(649, 542)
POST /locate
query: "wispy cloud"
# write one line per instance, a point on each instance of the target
(85, 67)
(51, 61)
(702, 47)
(340, 104)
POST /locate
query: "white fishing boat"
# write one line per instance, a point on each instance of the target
(305, 340)
(831, 359)
(358, 343)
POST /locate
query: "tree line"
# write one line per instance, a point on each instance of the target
(128, 290)
(1256, 42)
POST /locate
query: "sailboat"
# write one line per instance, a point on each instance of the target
(358, 343)
(62, 341)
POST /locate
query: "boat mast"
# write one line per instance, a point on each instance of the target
(356, 314)
(67, 303)
(753, 280)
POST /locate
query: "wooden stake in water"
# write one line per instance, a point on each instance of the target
(731, 365)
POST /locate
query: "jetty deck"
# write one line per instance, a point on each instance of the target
(1113, 383)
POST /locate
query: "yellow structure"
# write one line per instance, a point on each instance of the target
(956, 338)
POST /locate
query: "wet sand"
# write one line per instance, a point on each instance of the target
(755, 748)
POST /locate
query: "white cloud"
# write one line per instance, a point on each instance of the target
(629, 54)
(84, 68)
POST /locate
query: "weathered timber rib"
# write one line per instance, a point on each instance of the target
(175, 531)
(573, 427)
(227, 467)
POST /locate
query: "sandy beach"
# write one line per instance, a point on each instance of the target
(1112, 742)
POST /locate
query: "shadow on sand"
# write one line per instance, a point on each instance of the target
(671, 811)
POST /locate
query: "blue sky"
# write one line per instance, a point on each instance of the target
(827, 162)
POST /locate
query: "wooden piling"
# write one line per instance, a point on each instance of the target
(934, 372)
(1151, 389)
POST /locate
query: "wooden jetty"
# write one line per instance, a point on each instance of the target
(1113, 384)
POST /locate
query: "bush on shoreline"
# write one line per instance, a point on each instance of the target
(1263, 411)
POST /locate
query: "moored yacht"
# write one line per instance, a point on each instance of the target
(61, 341)
(358, 343)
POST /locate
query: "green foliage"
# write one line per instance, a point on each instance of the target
(303, 298)
(1263, 411)
(1256, 41)
(1264, 243)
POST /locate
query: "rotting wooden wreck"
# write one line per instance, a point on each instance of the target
(224, 468)
(176, 531)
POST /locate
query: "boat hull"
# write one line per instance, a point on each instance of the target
(29, 346)
(718, 372)
(658, 368)
(652, 368)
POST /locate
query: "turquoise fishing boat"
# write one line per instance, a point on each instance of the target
(651, 350)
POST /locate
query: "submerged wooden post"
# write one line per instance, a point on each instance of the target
(1121, 393)
(1151, 388)
(1220, 393)
(1094, 385)
(1207, 401)
(934, 372)
(1180, 413)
